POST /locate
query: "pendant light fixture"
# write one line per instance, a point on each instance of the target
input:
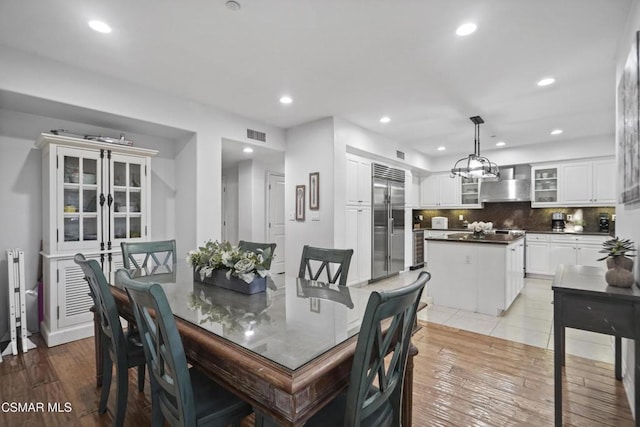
(475, 166)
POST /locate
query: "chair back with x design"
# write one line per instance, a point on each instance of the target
(148, 255)
(316, 260)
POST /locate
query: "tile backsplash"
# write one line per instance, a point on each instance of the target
(517, 215)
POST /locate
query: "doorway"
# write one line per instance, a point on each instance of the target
(275, 219)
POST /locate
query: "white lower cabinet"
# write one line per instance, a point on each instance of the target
(575, 250)
(359, 239)
(66, 311)
(461, 278)
(537, 253)
(545, 252)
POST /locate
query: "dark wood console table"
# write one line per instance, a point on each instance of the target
(583, 300)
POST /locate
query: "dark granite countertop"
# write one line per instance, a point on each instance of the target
(583, 233)
(503, 239)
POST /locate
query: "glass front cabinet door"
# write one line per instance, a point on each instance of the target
(129, 196)
(78, 207)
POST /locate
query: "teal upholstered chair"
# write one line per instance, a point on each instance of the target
(148, 255)
(316, 260)
(258, 248)
(125, 351)
(374, 395)
(181, 395)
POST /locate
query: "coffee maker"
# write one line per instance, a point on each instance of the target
(604, 223)
(557, 221)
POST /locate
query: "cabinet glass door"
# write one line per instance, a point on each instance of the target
(77, 206)
(128, 197)
(545, 187)
(469, 191)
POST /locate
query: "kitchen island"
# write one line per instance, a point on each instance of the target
(482, 275)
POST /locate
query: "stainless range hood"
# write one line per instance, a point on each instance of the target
(514, 185)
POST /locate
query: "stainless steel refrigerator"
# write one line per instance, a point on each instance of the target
(388, 221)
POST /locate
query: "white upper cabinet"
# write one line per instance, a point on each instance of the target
(583, 183)
(440, 191)
(358, 181)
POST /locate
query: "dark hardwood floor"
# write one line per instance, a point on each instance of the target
(460, 379)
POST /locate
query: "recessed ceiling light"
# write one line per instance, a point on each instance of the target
(556, 132)
(546, 81)
(233, 5)
(248, 150)
(100, 27)
(442, 148)
(385, 119)
(500, 144)
(466, 29)
(286, 99)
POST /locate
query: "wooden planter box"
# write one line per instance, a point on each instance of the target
(219, 278)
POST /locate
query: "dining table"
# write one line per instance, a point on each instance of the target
(287, 351)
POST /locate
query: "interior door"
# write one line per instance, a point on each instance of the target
(275, 220)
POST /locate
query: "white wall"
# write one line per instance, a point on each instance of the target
(35, 76)
(539, 153)
(628, 216)
(310, 148)
(231, 203)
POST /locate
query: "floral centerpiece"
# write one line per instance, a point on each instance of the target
(480, 228)
(216, 260)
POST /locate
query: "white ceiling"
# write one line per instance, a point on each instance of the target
(356, 59)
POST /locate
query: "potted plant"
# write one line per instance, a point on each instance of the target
(230, 267)
(618, 252)
(619, 261)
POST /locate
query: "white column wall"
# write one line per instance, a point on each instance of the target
(309, 149)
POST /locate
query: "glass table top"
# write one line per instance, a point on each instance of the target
(291, 323)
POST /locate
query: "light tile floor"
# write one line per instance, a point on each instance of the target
(529, 320)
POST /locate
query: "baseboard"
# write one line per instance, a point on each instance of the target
(65, 335)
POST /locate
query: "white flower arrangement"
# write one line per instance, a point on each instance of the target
(480, 227)
(243, 264)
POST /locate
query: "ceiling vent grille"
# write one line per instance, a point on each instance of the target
(257, 135)
(400, 155)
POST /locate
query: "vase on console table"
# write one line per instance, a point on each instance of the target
(620, 272)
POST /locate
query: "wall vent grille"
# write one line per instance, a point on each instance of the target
(385, 172)
(257, 135)
(400, 154)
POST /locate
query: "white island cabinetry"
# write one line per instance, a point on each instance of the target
(476, 276)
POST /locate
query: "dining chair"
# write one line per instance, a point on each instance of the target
(258, 248)
(148, 255)
(181, 395)
(123, 350)
(374, 395)
(316, 260)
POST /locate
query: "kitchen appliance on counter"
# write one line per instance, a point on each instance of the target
(557, 221)
(440, 222)
(388, 221)
(604, 223)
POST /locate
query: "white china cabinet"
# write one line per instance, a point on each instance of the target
(95, 195)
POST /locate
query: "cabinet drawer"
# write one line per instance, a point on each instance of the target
(594, 314)
(537, 237)
(591, 240)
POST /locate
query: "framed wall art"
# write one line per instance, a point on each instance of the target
(314, 191)
(300, 190)
(628, 129)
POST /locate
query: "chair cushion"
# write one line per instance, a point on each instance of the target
(213, 400)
